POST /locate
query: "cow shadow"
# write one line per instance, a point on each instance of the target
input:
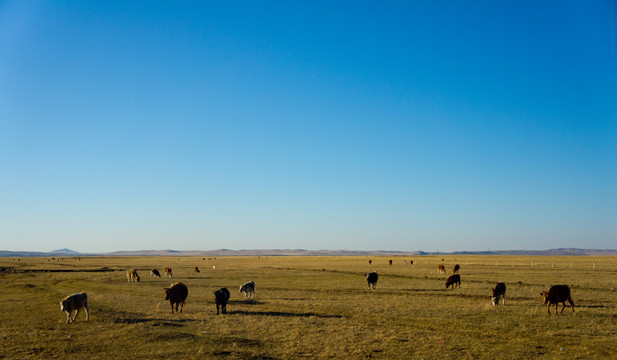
(282, 314)
(246, 302)
(423, 290)
(593, 306)
(154, 322)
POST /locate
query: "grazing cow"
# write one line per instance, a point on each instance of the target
(499, 290)
(176, 294)
(456, 269)
(555, 295)
(195, 269)
(132, 275)
(371, 278)
(453, 280)
(390, 262)
(248, 289)
(75, 302)
(370, 262)
(221, 296)
(441, 268)
(167, 271)
(155, 272)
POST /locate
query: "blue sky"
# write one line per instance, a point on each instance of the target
(440, 125)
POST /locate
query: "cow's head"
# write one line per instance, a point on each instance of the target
(544, 296)
(137, 278)
(495, 299)
(65, 305)
(167, 293)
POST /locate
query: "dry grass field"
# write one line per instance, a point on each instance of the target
(309, 307)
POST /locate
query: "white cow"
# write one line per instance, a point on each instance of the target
(248, 289)
(132, 275)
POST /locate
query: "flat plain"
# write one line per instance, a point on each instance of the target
(310, 308)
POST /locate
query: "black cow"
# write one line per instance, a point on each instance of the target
(372, 279)
(499, 290)
(221, 296)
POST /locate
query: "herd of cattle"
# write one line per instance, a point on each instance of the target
(177, 293)
(555, 295)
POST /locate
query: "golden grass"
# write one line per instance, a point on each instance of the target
(309, 307)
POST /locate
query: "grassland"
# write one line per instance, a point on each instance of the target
(309, 307)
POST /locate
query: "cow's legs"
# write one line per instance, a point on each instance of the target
(75, 317)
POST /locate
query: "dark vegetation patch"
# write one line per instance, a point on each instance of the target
(281, 314)
(175, 335)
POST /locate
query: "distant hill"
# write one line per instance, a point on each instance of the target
(302, 252)
(66, 251)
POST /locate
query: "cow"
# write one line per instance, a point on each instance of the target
(555, 295)
(453, 280)
(390, 262)
(372, 278)
(441, 268)
(167, 271)
(176, 294)
(248, 289)
(132, 275)
(196, 269)
(221, 296)
(499, 290)
(456, 269)
(155, 273)
(370, 262)
(75, 302)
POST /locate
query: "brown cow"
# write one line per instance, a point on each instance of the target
(370, 262)
(441, 268)
(453, 280)
(176, 294)
(75, 302)
(132, 275)
(390, 262)
(456, 269)
(167, 271)
(555, 295)
(196, 269)
(155, 272)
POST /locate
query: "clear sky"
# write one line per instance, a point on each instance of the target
(360, 125)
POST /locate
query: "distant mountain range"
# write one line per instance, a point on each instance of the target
(301, 252)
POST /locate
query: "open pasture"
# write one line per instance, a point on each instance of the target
(309, 307)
